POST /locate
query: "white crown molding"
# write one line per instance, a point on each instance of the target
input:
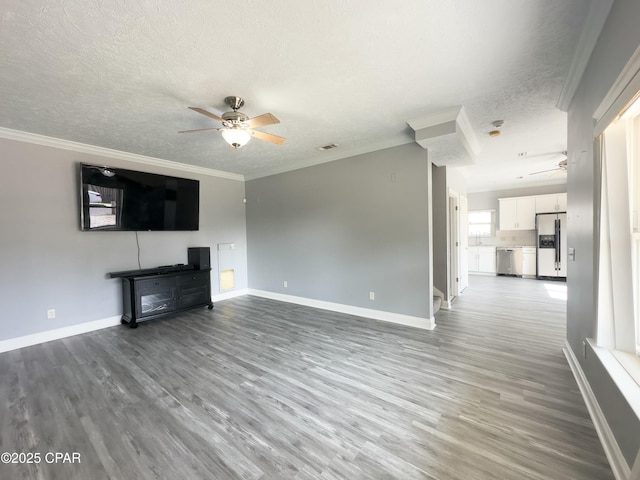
(330, 156)
(445, 115)
(596, 18)
(36, 139)
(610, 446)
(408, 320)
(619, 95)
(468, 136)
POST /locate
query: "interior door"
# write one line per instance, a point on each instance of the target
(464, 244)
(454, 222)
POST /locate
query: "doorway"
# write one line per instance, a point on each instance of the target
(454, 244)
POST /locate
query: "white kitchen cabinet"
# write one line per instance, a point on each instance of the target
(474, 259)
(529, 261)
(517, 213)
(482, 259)
(487, 259)
(508, 213)
(556, 202)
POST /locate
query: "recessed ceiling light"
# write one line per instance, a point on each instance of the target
(328, 147)
(494, 133)
(498, 123)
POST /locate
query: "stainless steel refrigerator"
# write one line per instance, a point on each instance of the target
(551, 232)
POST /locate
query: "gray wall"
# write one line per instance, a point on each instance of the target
(47, 262)
(617, 43)
(339, 230)
(489, 200)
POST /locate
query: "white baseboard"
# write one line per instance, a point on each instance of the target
(610, 446)
(58, 333)
(227, 295)
(417, 322)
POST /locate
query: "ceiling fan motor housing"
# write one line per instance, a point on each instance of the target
(234, 102)
(234, 118)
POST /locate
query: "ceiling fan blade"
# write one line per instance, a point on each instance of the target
(262, 120)
(198, 130)
(208, 114)
(559, 172)
(268, 137)
(545, 171)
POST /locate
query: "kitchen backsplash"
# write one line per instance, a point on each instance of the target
(507, 238)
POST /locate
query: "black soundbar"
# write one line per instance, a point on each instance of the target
(152, 271)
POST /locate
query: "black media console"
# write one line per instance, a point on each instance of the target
(154, 292)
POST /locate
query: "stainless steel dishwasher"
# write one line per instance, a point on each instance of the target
(509, 261)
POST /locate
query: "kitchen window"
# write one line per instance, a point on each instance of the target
(482, 223)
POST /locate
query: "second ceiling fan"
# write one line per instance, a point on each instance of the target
(237, 128)
(560, 169)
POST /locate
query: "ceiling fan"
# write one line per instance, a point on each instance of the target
(559, 170)
(237, 128)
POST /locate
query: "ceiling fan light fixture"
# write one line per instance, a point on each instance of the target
(237, 137)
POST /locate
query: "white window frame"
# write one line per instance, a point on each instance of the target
(633, 147)
(618, 330)
(632, 118)
(623, 367)
(491, 223)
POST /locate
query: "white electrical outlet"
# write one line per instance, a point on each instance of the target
(372, 295)
(51, 313)
(285, 284)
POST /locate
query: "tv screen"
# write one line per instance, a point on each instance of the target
(119, 199)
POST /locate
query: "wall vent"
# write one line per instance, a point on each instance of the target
(328, 147)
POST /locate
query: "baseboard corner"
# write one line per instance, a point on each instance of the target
(614, 455)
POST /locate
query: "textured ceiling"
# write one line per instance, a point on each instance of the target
(121, 74)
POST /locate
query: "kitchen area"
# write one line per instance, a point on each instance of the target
(525, 238)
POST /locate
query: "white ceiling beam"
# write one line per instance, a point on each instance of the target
(448, 136)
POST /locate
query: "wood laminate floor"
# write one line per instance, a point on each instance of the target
(259, 389)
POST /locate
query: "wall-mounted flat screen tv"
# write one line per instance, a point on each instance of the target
(119, 199)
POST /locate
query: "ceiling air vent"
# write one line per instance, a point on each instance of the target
(328, 147)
